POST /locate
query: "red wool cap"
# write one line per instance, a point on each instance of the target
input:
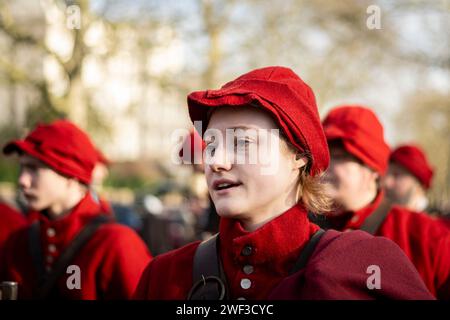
(413, 159)
(193, 145)
(281, 92)
(62, 146)
(361, 134)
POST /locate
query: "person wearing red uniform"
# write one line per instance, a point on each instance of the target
(408, 177)
(359, 159)
(56, 164)
(263, 204)
(11, 220)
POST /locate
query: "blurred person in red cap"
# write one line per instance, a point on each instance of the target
(266, 247)
(408, 178)
(99, 174)
(72, 249)
(359, 160)
(200, 202)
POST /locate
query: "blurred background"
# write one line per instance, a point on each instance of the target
(122, 69)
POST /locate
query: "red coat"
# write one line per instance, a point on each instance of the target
(10, 221)
(426, 241)
(111, 262)
(336, 270)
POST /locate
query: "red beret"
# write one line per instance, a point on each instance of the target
(361, 134)
(101, 158)
(62, 146)
(195, 145)
(280, 91)
(413, 159)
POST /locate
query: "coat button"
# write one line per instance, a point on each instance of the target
(49, 259)
(246, 283)
(247, 250)
(354, 219)
(51, 248)
(248, 269)
(51, 232)
(48, 268)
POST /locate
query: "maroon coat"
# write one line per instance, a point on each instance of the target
(336, 270)
(111, 262)
(426, 241)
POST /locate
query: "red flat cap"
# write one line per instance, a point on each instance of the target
(62, 146)
(280, 91)
(361, 134)
(193, 145)
(413, 159)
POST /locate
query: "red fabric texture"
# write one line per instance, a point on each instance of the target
(62, 146)
(413, 159)
(111, 262)
(361, 134)
(284, 95)
(194, 145)
(11, 220)
(424, 240)
(336, 270)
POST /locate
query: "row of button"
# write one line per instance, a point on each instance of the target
(247, 269)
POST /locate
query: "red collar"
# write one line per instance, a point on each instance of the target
(66, 227)
(352, 220)
(276, 243)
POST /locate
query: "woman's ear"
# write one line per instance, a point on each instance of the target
(300, 161)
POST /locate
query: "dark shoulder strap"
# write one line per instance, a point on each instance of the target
(209, 278)
(374, 220)
(307, 251)
(34, 237)
(207, 273)
(206, 251)
(48, 281)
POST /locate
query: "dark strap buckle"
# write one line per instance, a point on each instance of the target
(209, 288)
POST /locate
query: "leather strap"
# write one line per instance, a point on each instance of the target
(209, 277)
(374, 220)
(47, 280)
(307, 251)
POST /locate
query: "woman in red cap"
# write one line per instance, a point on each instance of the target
(266, 247)
(359, 161)
(72, 250)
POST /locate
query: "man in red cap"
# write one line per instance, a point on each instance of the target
(408, 178)
(359, 159)
(72, 250)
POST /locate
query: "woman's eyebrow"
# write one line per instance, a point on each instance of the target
(244, 127)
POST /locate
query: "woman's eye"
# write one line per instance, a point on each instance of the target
(243, 142)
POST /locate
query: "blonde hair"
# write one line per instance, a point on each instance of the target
(311, 190)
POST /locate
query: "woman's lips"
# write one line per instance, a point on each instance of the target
(224, 186)
(226, 191)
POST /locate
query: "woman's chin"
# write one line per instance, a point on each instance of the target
(228, 211)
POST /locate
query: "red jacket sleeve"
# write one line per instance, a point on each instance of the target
(343, 264)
